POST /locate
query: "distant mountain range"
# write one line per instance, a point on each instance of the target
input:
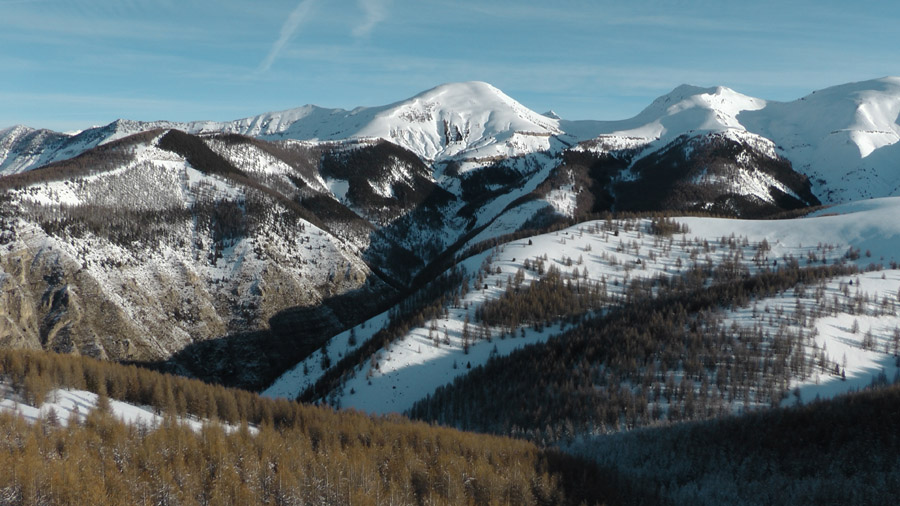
(844, 138)
(204, 245)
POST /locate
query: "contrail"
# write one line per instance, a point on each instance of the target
(297, 16)
(375, 13)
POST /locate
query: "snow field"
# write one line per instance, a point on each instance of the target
(849, 323)
(611, 253)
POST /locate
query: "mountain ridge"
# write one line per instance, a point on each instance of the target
(833, 135)
(248, 217)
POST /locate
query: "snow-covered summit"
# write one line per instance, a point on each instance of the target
(472, 119)
(469, 120)
(23, 148)
(691, 108)
(844, 137)
(685, 110)
(864, 112)
(456, 120)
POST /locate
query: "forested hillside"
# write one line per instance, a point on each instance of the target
(841, 451)
(276, 452)
(670, 356)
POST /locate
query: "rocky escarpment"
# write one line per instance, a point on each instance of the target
(51, 303)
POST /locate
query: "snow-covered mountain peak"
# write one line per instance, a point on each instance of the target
(844, 137)
(690, 108)
(462, 120)
(14, 130)
(685, 95)
(686, 110)
(465, 91)
(869, 109)
(677, 94)
(18, 133)
(23, 148)
(121, 128)
(453, 120)
(9, 135)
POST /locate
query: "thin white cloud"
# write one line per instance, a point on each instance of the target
(288, 29)
(376, 12)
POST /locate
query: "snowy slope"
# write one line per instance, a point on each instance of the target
(862, 341)
(457, 120)
(23, 148)
(413, 367)
(685, 110)
(70, 405)
(844, 137)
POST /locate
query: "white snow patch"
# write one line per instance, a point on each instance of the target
(834, 337)
(75, 405)
(338, 188)
(413, 366)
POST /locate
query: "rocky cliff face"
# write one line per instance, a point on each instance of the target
(141, 258)
(51, 303)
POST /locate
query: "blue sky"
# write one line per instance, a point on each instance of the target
(75, 63)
